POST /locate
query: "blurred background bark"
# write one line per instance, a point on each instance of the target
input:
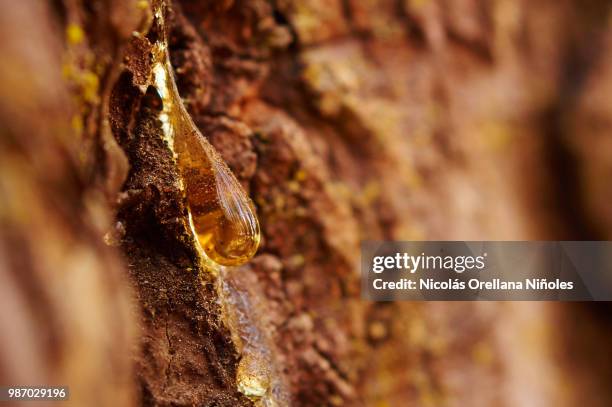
(345, 120)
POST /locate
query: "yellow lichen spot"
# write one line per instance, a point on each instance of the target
(482, 353)
(333, 83)
(279, 202)
(67, 71)
(90, 84)
(386, 28)
(371, 192)
(413, 179)
(377, 330)
(336, 400)
(495, 135)
(142, 4)
(306, 21)
(74, 34)
(300, 175)
(82, 156)
(427, 399)
(437, 345)
(293, 186)
(297, 260)
(330, 104)
(417, 4)
(77, 123)
(417, 334)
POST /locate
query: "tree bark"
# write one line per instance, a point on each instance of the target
(345, 121)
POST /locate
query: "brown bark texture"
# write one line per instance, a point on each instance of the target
(344, 120)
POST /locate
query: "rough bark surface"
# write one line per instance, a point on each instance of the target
(345, 120)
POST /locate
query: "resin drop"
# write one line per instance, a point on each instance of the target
(222, 214)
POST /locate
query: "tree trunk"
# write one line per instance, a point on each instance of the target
(345, 121)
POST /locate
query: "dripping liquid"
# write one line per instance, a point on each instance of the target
(223, 215)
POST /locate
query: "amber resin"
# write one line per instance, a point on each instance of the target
(222, 215)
